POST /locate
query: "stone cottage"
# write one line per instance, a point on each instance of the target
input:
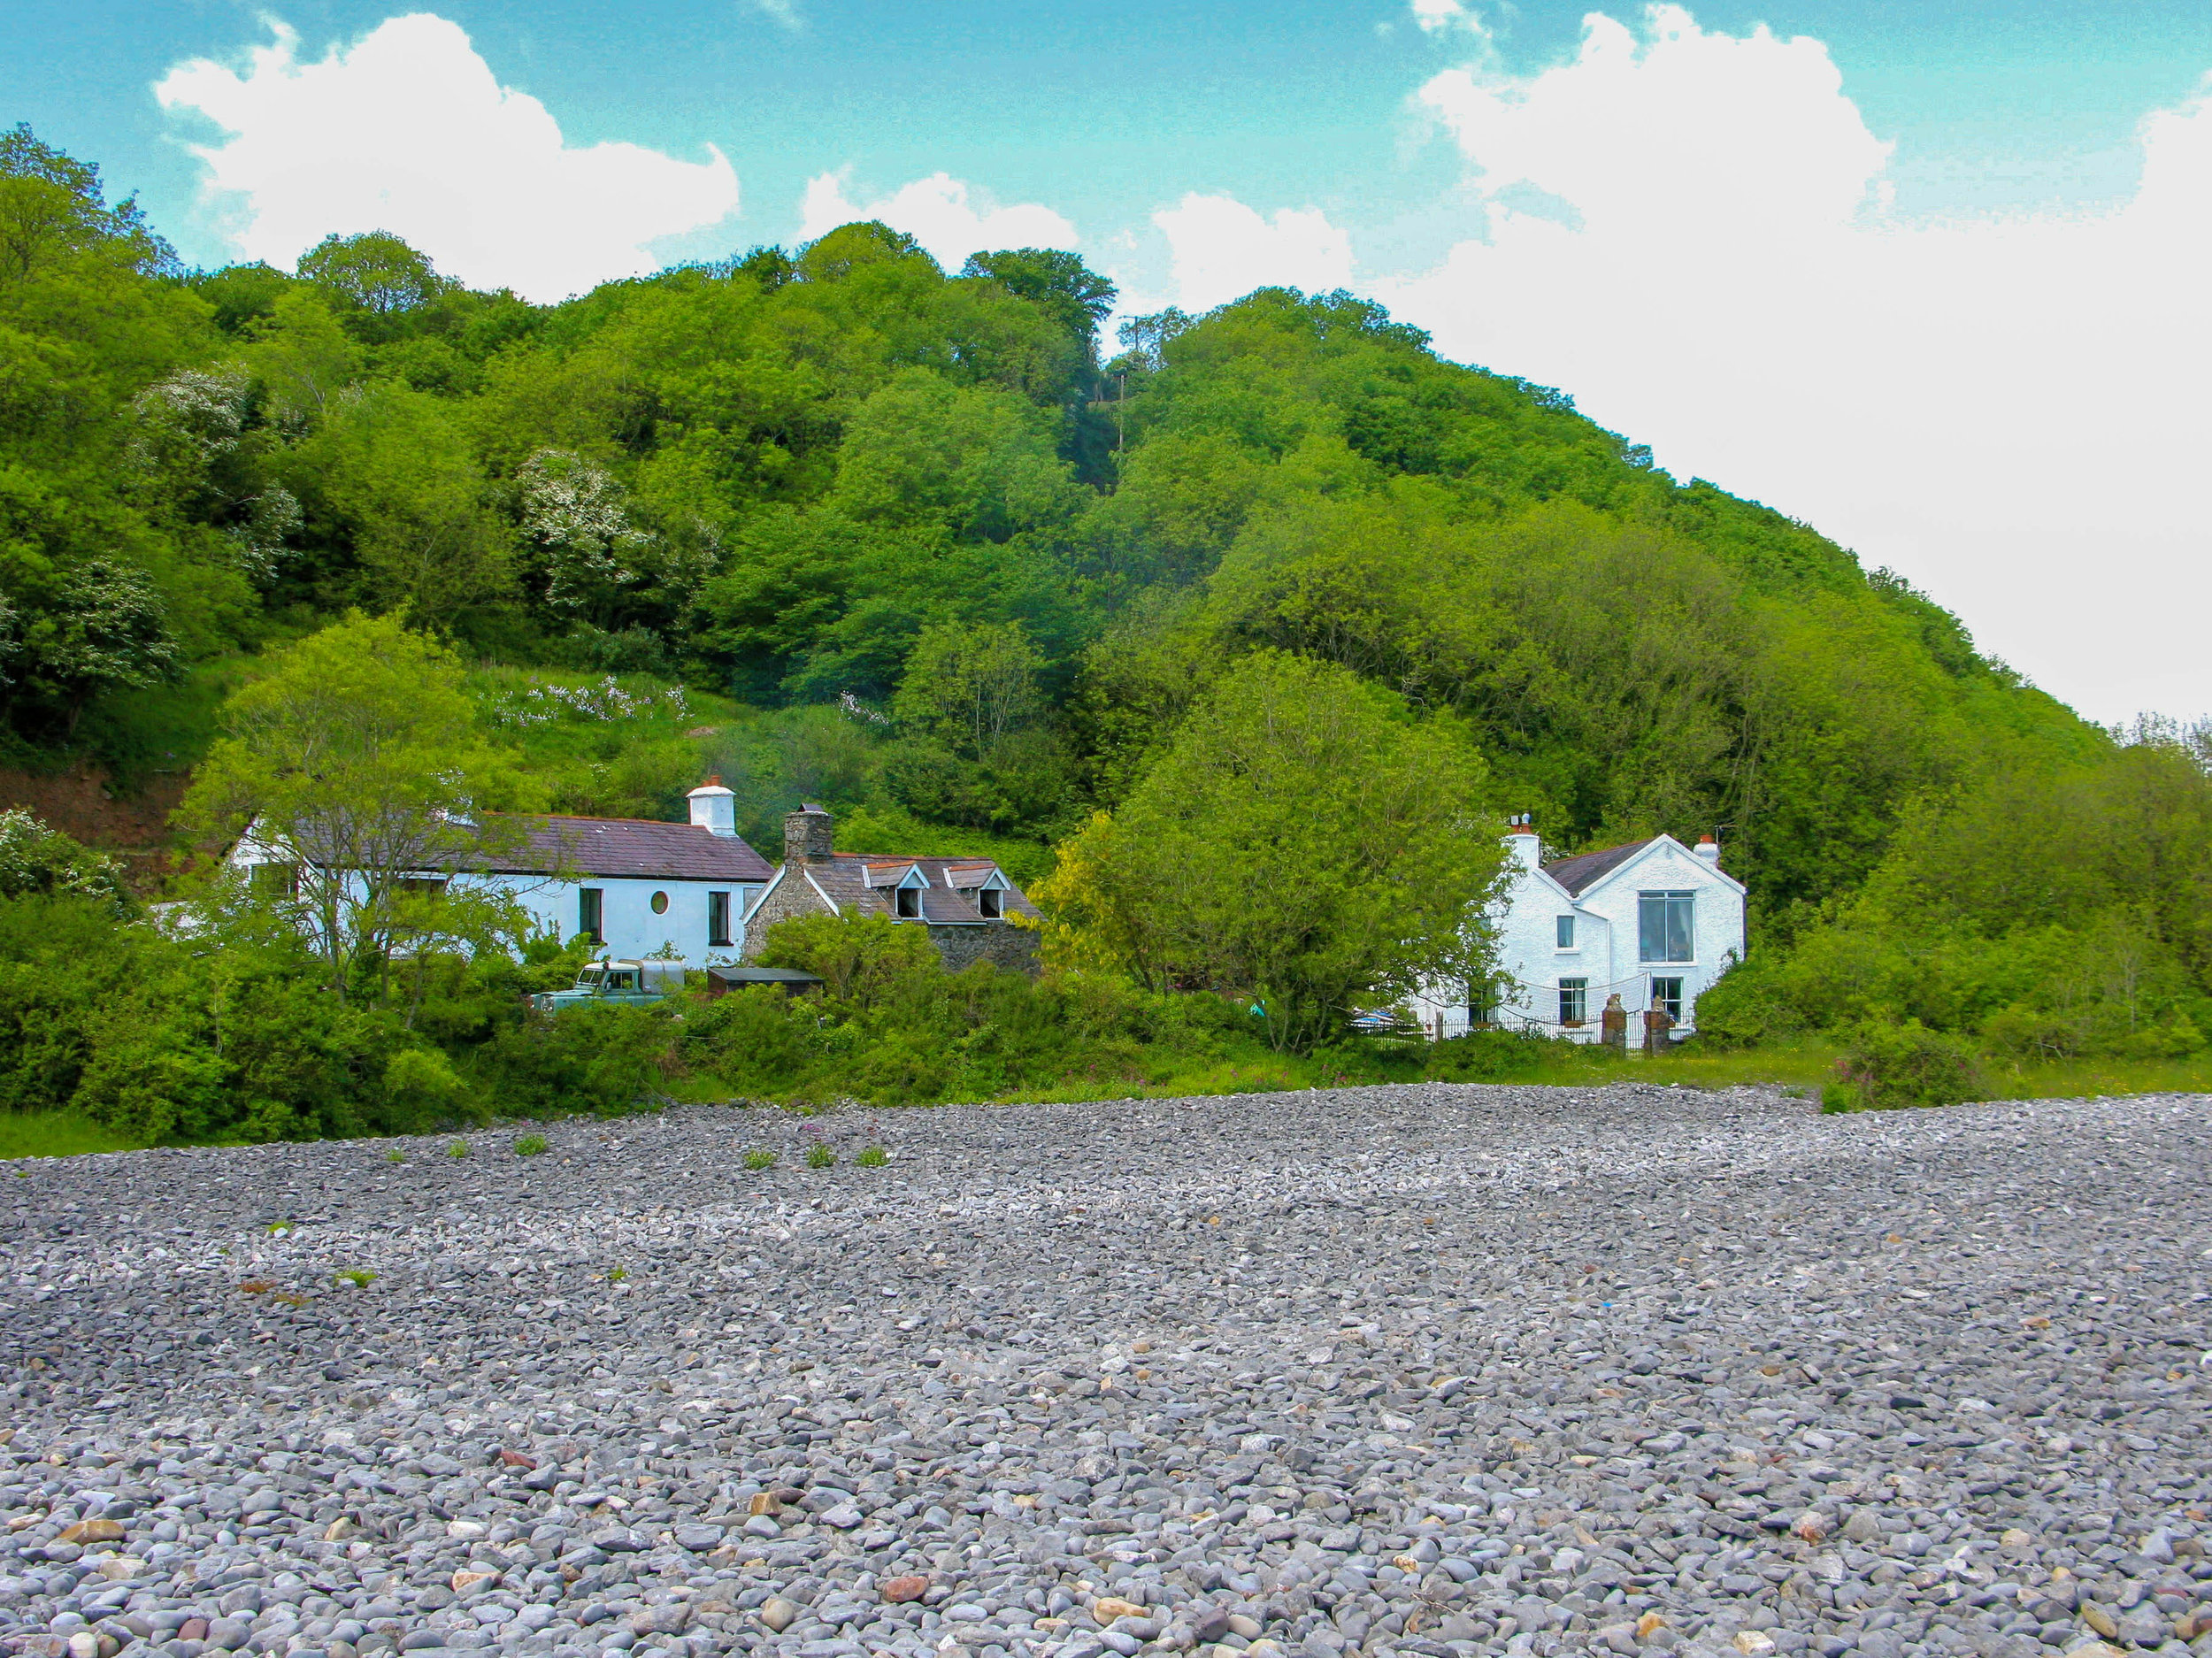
(969, 905)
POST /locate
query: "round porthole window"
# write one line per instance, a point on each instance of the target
(660, 903)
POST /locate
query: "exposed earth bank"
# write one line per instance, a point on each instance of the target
(1425, 1369)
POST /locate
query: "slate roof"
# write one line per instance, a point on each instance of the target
(1578, 874)
(863, 883)
(637, 848)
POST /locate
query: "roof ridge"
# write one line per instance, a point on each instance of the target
(578, 816)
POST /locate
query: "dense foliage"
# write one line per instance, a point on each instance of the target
(845, 526)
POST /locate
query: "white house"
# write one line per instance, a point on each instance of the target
(1653, 922)
(636, 885)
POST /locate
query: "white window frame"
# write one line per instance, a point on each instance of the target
(1668, 898)
(1579, 990)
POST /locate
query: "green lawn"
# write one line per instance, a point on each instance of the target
(55, 1134)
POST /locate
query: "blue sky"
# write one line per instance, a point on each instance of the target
(1107, 111)
(1892, 267)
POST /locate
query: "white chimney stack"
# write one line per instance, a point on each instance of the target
(1709, 849)
(714, 809)
(1522, 844)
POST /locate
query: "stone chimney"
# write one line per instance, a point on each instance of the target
(1709, 849)
(807, 835)
(1522, 844)
(714, 809)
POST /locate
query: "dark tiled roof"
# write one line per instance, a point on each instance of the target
(1577, 874)
(635, 846)
(845, 879)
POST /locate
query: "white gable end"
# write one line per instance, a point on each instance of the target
(1655, 929)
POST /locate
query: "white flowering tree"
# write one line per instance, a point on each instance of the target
(578, 515)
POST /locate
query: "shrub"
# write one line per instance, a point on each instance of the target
(1889, 1065)
(36, 859)
(820, 1156)
(860, 960)
(530, 1146)
(458, 1149)
(1497, 1056)
(597, 1059)
(423, 1085)
(758, 1040)
(759, 1158)
(873, 1158)
(1745, 1007)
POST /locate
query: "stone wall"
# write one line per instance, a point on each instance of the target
(1001, 941)
(791, 896)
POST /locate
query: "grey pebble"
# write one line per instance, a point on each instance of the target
(1427, 1372)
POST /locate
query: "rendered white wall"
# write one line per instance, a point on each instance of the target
(627, 919)
(1606, 942)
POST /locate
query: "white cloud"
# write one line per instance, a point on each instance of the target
(1221, 249)
(409, 131)
(938, 213)
(1437, 16)
(1691, 232)
(2005, 410)
(783, 11)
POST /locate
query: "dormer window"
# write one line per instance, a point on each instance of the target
(990, 902)
(907, 903)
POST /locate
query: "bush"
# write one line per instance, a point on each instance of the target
(36, 859)
(1745, 1007)
(860, 960)
(1496, 1056)
(757, 1039)
(602, 1060)
(1889, 1065)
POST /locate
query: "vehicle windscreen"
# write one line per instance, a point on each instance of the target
(589, 979)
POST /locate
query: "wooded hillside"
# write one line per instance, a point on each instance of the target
(845, 525)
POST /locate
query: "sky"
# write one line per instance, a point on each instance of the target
(1929, 279)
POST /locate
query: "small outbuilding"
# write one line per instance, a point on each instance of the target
(722, 980)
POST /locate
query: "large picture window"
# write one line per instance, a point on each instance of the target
(1666, 928)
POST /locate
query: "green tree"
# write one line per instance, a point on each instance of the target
(393, 468)
(52, 207)
(355, 757)
(1304, 841)
(375, 272)
(972, 684)
(1075, 296)
(978, 461)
